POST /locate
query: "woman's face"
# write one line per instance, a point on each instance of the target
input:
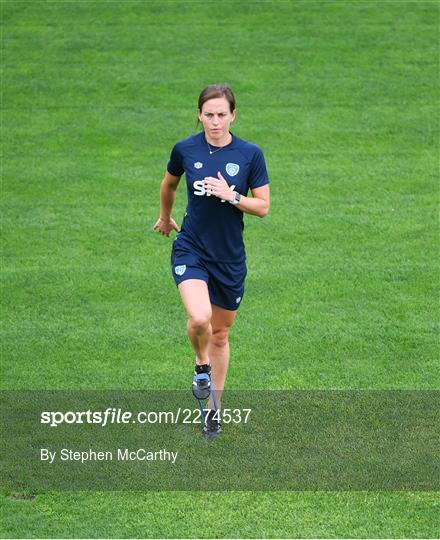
(216, 118)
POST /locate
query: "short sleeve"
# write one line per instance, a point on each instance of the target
(258, 173)
(175, 164)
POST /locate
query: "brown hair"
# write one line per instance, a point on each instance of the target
(216, 91)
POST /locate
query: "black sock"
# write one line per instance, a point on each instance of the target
(205, 368)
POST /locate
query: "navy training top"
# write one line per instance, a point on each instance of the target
(211, 227)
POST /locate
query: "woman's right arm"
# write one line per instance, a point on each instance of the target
(165, 224)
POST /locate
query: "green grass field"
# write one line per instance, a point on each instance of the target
(343, 277)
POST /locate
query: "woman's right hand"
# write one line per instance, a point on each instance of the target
(165, 227)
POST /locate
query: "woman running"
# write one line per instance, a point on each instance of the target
(208, 257)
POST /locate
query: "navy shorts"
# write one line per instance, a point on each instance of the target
(225, 280)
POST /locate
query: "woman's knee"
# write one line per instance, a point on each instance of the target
(219, 337)
(200, 321)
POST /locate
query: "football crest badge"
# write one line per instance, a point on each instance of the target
(232, 168)
(180, 270)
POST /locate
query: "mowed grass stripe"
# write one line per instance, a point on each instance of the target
(225, 515)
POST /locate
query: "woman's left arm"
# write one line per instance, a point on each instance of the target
(258, 204)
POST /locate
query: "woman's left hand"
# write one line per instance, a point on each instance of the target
(218, 187)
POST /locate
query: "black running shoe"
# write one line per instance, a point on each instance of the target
(201, 386)
(212, 427)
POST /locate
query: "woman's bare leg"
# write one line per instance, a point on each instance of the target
(195, 298)
(218, 349)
